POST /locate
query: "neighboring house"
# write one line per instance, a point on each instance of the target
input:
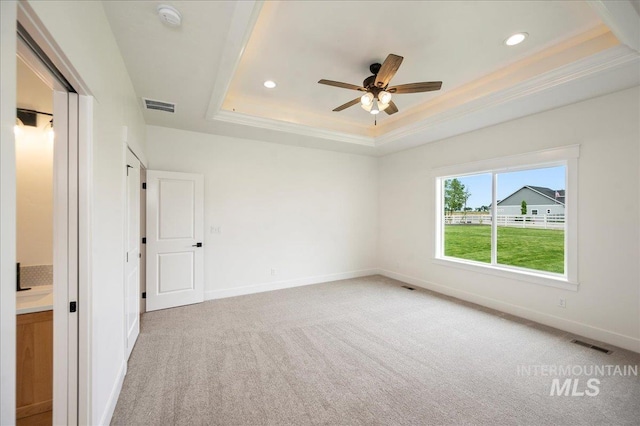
(539, 200)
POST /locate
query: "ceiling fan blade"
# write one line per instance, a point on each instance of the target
(349, 104)
(388, 70)
(426, 86)
(391, 109)
(342, 85)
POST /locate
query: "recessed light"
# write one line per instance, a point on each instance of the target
(515, 39)
(269, 84)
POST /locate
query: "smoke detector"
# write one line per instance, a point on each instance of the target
(169, 15)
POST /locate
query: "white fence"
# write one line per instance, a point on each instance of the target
(542, 221)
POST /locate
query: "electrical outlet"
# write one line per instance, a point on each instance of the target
(274, 271)
(562, 303)
(216, 230)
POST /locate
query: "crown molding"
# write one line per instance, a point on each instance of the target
(621, 17)
(247, 13)
(244, 19)
(606, 60)
(245, 16)
(298, 129)
(609, 59)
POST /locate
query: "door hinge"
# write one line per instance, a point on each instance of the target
(140, 255)
(144, 185)
(73, 307)
(129, 167)
(127, 256)
(144, 294)
(144, 240)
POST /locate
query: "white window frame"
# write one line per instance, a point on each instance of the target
(566, 156)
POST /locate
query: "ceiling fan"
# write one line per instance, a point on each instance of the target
(378, 93)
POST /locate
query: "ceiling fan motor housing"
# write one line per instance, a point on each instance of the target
(369, 83)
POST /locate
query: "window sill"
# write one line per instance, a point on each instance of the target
(528, 277)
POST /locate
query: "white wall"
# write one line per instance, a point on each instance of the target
(34, 172)
(606, 305)
(310, 214)
(83, 35)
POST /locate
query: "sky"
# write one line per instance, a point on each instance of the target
(480, 185)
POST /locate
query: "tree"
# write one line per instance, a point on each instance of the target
(455, 195)
(523, 207)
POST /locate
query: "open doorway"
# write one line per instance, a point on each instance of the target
(34, 248)
(46, 241)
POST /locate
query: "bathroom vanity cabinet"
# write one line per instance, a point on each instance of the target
(34, 357)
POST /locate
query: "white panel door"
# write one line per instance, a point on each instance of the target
(175, 257)
(132, 243)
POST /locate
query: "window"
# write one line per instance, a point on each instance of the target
(488, 216)
(466, 234)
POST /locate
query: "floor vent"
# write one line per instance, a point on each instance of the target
(407, 287)
(590, 346)
(159, 105)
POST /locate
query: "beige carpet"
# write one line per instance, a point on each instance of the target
(359, 352)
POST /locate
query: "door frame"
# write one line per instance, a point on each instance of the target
(143, 234)
(79, 193)
(7, 213)
(65, 237)
(128, 150)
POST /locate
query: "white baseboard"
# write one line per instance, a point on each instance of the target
(105, 419)
(606, 336)
(279, 285)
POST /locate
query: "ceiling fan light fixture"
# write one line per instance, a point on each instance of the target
(367, 99)
(384, 97)
(378, 92)
(375, 108)
(516, 38)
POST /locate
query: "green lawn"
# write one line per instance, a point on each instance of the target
(541, 249)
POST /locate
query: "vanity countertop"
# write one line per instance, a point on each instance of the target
(38, 299)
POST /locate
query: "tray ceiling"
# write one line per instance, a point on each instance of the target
(214, 65)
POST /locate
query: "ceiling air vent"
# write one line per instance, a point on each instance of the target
(159, 105)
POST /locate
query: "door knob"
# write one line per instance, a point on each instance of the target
(197, 245)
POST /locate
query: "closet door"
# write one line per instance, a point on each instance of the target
(132, 248)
